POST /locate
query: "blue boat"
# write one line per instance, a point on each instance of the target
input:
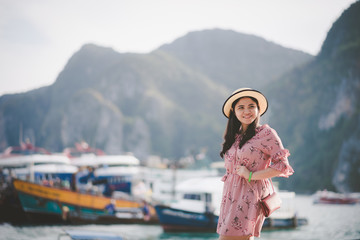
(176, 220)
(109, 173)
(197, 208)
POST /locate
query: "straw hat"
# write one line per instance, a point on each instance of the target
(245, 92)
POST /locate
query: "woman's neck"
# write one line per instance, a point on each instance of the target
(243, 128)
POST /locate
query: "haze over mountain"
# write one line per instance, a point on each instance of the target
(168, 102)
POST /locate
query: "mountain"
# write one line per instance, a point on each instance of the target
(316, 109)
(146, 104)
(157, 103)
(233, 59)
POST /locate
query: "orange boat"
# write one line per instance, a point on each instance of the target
(44, 202)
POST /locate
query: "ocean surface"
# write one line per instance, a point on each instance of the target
(324, 222)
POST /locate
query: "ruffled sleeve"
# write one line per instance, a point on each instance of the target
(280, 162)
(273, 146)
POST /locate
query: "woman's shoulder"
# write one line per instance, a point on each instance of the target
(265, 130)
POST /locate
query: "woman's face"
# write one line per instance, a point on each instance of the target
(246, 111)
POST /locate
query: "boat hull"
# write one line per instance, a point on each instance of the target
(10, 208)
(337, 201)
(283, 223)
(175, 220)
(328, 197)
(47, 203)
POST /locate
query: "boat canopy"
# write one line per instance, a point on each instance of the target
(106, 160)
(20, 161)
(201, 185)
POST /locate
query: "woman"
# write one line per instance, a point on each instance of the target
(252, 154)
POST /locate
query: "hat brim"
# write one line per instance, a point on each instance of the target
(245, 92)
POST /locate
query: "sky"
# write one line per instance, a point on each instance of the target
(38, 37)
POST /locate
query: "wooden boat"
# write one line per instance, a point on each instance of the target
(198, 209)
(44, 202)
(33, 164)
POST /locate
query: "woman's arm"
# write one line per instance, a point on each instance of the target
(259, 175)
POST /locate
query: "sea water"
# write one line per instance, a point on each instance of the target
(324, 222)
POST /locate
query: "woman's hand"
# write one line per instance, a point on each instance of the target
(269, 172)
(242, 171)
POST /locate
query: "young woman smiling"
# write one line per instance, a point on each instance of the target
(253, 153)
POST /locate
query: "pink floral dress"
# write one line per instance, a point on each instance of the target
(240, 213)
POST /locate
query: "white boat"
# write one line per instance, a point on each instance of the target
(199, 195)
(32, 159)
(112, 174)
(198, 208)
(163, 182)
(34, 166)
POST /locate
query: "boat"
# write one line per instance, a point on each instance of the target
(43, 187)
(178, 220)
(88, 235)
(82, 148)
(41, 202)
(198, 208)
(163, 181)
(107, 174)
(111, 173)
(32, 164)
(329, 197)
(25, 148)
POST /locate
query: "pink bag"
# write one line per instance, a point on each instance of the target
(270, 203)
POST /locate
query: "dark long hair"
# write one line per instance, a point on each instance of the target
(234, 127)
